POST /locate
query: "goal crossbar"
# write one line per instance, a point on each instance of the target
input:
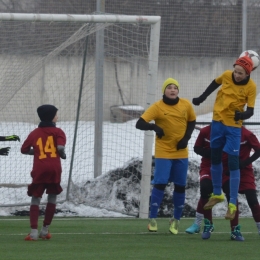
(104, 18)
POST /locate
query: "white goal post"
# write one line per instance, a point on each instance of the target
(50, 58)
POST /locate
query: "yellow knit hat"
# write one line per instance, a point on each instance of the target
(168, 82)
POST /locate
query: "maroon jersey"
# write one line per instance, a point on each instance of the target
(46, 163)
(248, 142)
(203, 140)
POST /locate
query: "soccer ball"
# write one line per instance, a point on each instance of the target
(254, 57)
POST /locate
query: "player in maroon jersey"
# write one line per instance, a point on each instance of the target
(247, 182)
(47, 144)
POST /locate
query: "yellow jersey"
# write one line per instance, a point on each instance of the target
(173, 119)
(231, 97)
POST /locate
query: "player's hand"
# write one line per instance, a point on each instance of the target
(62, 155)
(237, 115)
(197, 101)
(4, 151)
(12, 138)
(182, 144)
(158, 130)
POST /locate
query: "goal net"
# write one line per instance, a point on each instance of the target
(52, 59)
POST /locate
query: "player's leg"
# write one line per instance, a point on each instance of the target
(161, 177)
(179, 178)
(232, 148)
(52, 190)
(217, 141)
(206, 189)
(253, 203)
(49, 213)
(155, 202)
(234, 223)
(35, 191)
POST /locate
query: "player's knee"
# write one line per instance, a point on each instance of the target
(233, 162)
(179, 188)
(160, 186)
(216, 155)
(206, 188)
(35, 201)
(52, 198)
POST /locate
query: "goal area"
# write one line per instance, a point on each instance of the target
(100, 71)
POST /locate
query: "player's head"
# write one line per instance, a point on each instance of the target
(47, 113)
(170, 88)
(243, 66)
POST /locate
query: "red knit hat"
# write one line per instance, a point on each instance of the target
(246, 63)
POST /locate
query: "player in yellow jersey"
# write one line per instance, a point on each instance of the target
(175, 120)
(237, 90)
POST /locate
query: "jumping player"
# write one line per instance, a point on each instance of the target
(237, 90)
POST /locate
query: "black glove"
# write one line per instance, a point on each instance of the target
(197, 101)
(61, 151)
(12, 138)
(182, 143)
(62, 155)
(4, 151)
(237, 115)
(158, 130)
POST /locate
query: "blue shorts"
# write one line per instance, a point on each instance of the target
(170, 170)
(225, 137)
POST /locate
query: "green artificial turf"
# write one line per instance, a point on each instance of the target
(101, 238)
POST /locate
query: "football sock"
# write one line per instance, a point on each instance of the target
(49, 213)
(216, 174)
(178, 202)
(34, 215)
(258, 227)
(205, 213)
(199, 218)
(234, 185)
(234, 222)
(156, 199)
(208, 215)
(201, 204)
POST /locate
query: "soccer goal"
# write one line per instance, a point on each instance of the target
(100, 71)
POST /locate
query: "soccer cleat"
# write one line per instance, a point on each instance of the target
(213, 200)
(231, 212)
(174, 226)
(33, 236)
(208, 229)
(193, 229)
(45, 234)
(236, 234)
(29, 238)
(152, 226)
